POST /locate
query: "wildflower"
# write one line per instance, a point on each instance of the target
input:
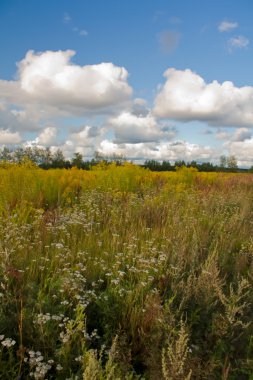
(59, 367)
(39, 358)
(115, 281)
(59, 245)
(64, 302)
(8, 342)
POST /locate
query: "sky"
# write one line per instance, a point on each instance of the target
(146, 79)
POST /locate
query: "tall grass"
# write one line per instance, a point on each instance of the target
(120, 273)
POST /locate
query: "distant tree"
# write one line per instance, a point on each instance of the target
(152, 165)
(38, 155)
(98, 156)
(18, 154)
(232, 163)
(106, 159)
(180, 163)
(117, 158)
(6, 154)
(207, 167)
(58, 159)
(29, 154)
(47, 159)
(193, 164)
(77, 160)
(223, 162)
(166, 166)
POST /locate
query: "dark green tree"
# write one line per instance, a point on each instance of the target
(58, 160)
(77, 160)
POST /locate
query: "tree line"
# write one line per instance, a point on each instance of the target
(46, 159)
(226, 164)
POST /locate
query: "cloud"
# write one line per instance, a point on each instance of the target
(46, 137)
(50, 88)
(14, 118)
(243, 150)
(239, 42)
(48, 84)
(83, 32)
(66, 18)
(172, 151)
(131, 128)
(85, 141)
(139, 107)
(186, 96)
(241, 134)
(86, 136)
(227, 26)
(7, 137)
(168, 40)
(52, 78)
(222, 135)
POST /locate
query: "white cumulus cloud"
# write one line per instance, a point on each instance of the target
(51, 78)
(85, 141)
(243, 150)
(239, 42)
(87, 136)
(131, 128)
(8, 137)
(186, 96)
(178, 150)
(227, 26)
(47, 136)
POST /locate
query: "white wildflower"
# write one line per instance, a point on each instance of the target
(8, 342)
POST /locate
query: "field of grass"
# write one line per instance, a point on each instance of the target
(121, 273)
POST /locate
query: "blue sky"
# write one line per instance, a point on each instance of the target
(89, 75)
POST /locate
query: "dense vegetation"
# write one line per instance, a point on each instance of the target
(122, 273)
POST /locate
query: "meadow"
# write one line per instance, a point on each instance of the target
(122, 273)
